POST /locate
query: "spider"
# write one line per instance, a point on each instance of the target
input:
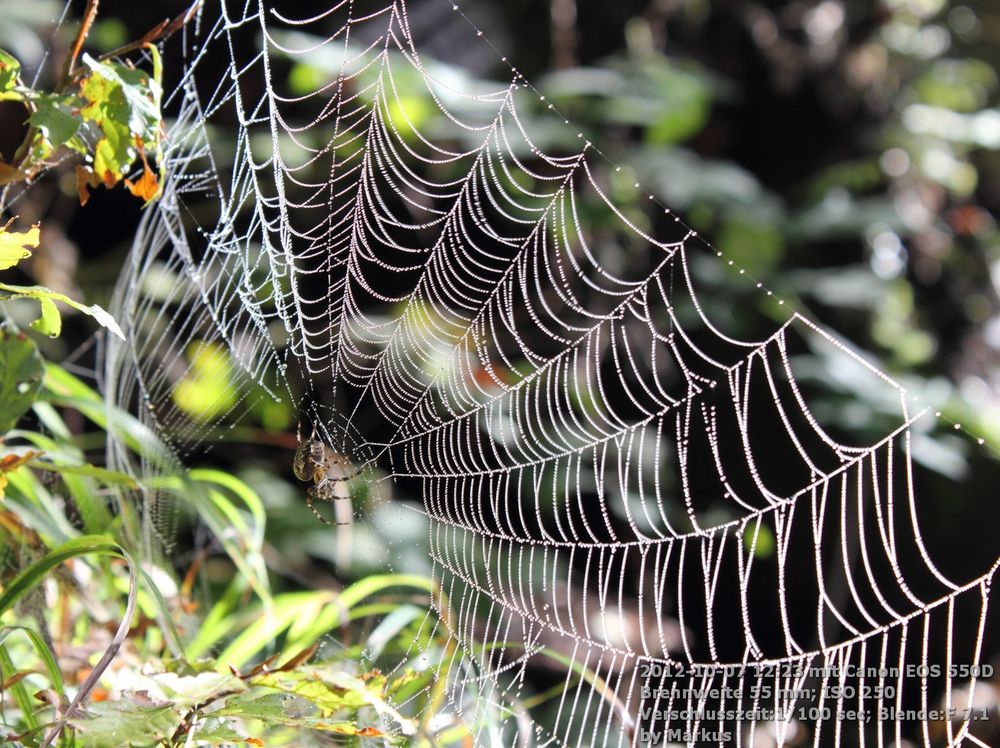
(315, 461)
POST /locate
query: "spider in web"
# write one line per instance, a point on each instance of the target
(315, 461)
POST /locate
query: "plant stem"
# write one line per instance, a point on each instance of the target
(81, 35)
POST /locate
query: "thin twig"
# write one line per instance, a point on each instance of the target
(81, 35)
(158, 33)
(188, 723)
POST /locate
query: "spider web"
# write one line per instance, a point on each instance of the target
(621, 494)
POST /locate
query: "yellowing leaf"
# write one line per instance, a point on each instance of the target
(10, 463)
(10, 68)
(50, 323)
(124, 103)
(9, 174)
(86, 180)
(146, 187)
(112, 154)
(332, 690)
(15, 246)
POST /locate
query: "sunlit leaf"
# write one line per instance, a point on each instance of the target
(43, 294)
(328, 698)
(332, 690)
(86, 180)
(124, 104)
(760, 538)
(113, 153)
(128, 88)
(55, 118)
(267, 707)
(131, 721)
(145, 187)
(186, 691)
(10, 68)
(15, 246)
(409, 113)
(50, 323)
(11, 462)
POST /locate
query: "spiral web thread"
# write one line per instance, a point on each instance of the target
(477, 320)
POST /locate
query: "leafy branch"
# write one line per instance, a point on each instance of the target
(107, 111)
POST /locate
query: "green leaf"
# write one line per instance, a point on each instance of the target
(280, 709)
(10, 68)
(187, 691)
(108, 109)
(21, 372)
(92, 310)
(44, 654)
(33, 574)
(241, 540)
(165, 614)
(63, 384)
(265, 630)
(131, 721)
(308, 701)
(55, 118)
(131, 92)
(332, 690)
(389, 628)
(157, 84)
(29, 711)
(104, 98)
(50, 323)
(15, 246)
(65, 390)
(114, 152)
(124, 105)
(329, 698)
(270, 707)
(110, 477)
(758, 538)
(214, 731)
(348, 600)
